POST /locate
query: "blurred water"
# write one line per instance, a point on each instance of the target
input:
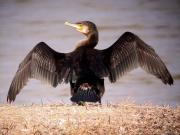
(24, 23)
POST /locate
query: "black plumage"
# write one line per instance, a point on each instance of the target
(85, 68)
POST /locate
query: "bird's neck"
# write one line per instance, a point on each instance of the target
(91, 41)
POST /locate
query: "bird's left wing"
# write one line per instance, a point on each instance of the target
(42, 63)
(129, 52)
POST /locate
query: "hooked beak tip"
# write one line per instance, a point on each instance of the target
(72, 25)
(66, 23)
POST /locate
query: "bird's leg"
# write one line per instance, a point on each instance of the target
(82, 103)
(100, 102)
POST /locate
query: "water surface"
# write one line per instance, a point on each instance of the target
(25, 23)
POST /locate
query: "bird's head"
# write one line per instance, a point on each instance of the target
(85, 27)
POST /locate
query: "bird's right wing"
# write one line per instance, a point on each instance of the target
(129, 52)
(42, 63)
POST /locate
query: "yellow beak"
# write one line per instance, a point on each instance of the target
(73, 25)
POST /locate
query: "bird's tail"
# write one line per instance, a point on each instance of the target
(86, 93)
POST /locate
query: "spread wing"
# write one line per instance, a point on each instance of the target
(129, 52)
(42, 63)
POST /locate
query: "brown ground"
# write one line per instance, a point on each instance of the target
(122, 119)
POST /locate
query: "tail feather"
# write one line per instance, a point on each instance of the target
(88, 95)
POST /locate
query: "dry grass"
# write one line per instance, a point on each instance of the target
(122, 119)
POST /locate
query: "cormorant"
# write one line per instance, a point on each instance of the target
(86, 67)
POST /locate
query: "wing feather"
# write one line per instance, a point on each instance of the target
(129, 52)
(42, 63)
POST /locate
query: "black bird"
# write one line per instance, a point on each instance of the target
(86, 67)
